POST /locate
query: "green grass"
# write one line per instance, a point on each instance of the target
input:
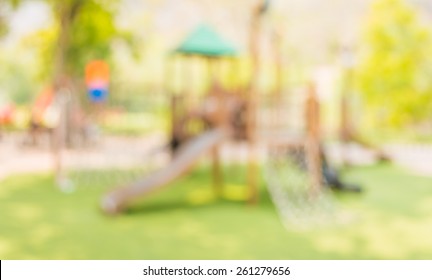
(392, 219)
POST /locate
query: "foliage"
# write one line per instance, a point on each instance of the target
(396, 65)
(91, 32)
(15, 83)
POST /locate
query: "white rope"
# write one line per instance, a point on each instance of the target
(288, 183)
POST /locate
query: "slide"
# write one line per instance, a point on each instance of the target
(115, 201)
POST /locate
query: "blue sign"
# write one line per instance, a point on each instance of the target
(98, 94)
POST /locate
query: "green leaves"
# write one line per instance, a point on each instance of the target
(396, 65)
(88, 30)
(92, 33)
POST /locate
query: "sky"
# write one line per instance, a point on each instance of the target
(31, 16)
(308, 25)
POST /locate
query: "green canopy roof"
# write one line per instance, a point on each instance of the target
(204, 40)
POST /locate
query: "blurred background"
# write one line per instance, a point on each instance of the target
(86, 104)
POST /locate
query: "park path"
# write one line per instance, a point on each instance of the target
(115, 152)
(416, 158)
(15, 159)
(118, 152)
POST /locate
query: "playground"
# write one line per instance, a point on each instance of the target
(208, 142)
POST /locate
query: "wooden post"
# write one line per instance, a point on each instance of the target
(313, 141)
(177, 102)
(346, 130)
(279, 81)
(168, 77)
(217, 172)
(252, 99)
(218, 118)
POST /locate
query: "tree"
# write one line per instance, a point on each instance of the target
(85, 30)
(395, 65)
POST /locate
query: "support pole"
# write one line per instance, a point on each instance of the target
(313, 141)
(346, 129)
(216, 97)
(252, 99)
(279, 79)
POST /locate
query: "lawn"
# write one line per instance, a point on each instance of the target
(392, 219)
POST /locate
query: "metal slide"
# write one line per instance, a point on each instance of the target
(115, 201)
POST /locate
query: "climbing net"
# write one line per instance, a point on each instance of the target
(289, 183)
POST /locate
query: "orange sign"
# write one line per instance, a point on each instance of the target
(97, 71)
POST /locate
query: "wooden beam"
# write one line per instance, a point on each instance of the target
(313, 140)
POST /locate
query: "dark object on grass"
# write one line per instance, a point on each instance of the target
(330, 176)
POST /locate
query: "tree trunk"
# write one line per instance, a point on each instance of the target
(66, 13)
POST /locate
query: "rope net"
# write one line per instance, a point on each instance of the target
(288, 179)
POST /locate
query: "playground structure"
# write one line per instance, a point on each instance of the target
(222, 115)
(226, 145)
(194, 130)
(202, 125)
